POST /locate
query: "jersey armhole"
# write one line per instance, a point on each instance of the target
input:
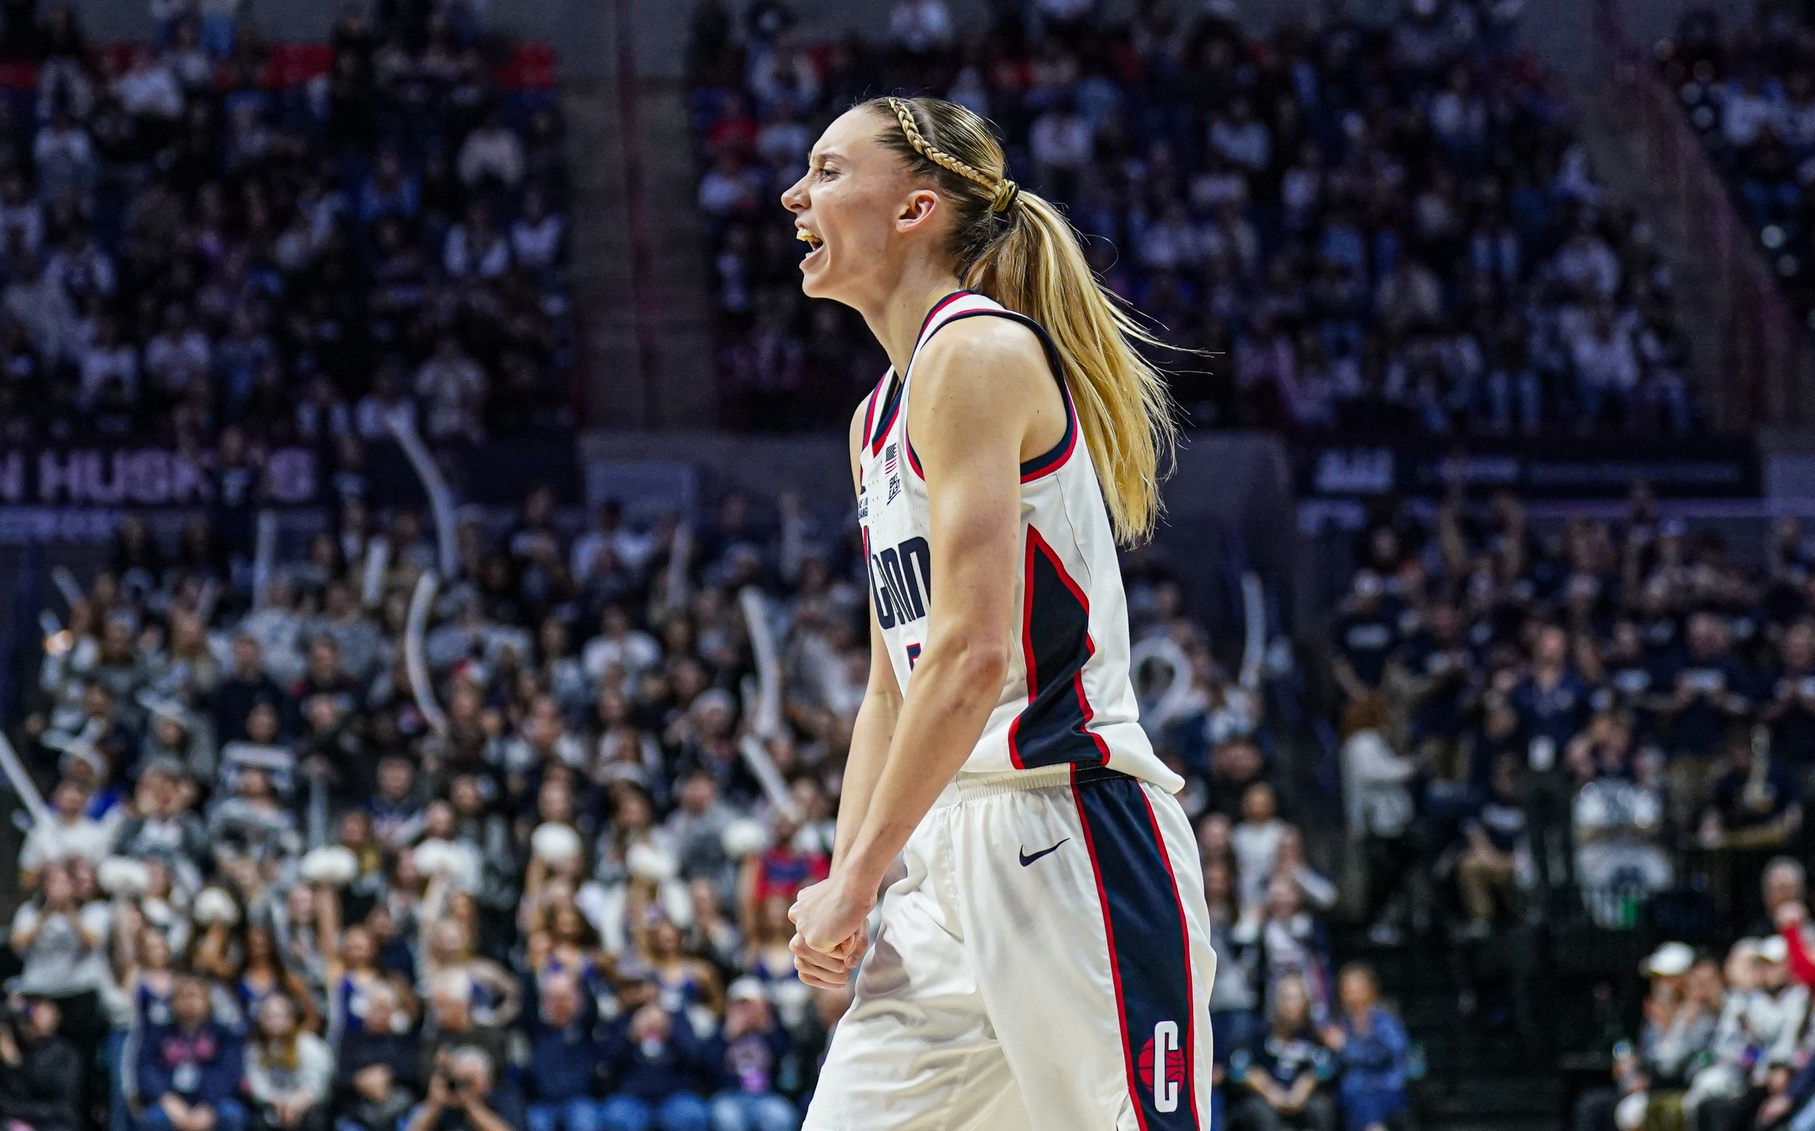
(1056, 456)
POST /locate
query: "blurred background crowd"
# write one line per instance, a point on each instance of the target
(1368, 228)
(328, 845)
(292, 241)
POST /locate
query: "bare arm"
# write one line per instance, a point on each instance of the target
(876, 717)
(327, 929)
(985, 392)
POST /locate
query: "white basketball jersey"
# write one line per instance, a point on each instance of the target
(1067, 698)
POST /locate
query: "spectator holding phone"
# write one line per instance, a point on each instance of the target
(464, 1096)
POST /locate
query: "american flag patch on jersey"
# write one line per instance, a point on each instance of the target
(888, 459)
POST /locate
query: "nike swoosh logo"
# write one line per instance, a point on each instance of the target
(1026, 859)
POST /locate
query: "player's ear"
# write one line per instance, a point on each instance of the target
(917, 210)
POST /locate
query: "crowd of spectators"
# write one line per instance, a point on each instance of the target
(1588, 708)
(1745, 76)
(295, 240)
(1388, 228)
(1572, 722)
(1724, 1043)
(1590, 730)
(276, 887)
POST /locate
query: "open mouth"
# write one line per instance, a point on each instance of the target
(813, 242)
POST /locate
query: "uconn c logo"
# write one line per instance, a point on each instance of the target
(1162, 1066)
(901, 579)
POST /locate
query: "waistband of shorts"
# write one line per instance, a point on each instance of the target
(970, 787)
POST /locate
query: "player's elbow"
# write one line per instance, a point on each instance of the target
(976, 661)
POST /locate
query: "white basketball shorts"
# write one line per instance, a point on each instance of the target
(1044, 965)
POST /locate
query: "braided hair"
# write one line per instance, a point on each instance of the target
(1018, 249)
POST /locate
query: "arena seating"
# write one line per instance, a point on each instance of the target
(1368, 228)
(1745, 79)
(292, 240)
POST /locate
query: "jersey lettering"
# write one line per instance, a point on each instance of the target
(885, 606)
(897, 589)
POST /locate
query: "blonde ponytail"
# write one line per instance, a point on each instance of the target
(1018, 249)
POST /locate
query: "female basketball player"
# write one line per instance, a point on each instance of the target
(1045, 963)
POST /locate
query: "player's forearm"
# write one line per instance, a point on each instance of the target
(870, 736)
(954, 690)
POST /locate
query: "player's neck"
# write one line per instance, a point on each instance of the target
(897, 319)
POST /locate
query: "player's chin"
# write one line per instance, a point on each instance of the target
(814, 280)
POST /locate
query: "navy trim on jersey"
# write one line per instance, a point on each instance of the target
(869, 415)
(1055, 457)
(1054, 728)
(900, 382)
(1149, 947)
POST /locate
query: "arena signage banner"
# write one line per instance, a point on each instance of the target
(82, 476)
(1588, 468)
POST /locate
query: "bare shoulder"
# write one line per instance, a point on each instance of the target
(1003, 349)
(982, 371)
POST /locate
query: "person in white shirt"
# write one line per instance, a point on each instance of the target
(492, 151)
(619, 643)
(67, 831)
(65, 157)
(1606, 363)
(1241, 138)
(920, 26)
(476, 247)
(632, 549)
(1061, 144)
(452, 388)
(106, 360)
(1588, 264)
(1378, 806)
(42, 308)
(1776, 1015)
(1255, 842)
(60, 941)
(535, 236)
(289, 1070)
(1746, 109)
(149, 89)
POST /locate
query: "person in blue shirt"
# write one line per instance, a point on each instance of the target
(563, 1060)
(1553, 702)
(1371, 1045)
(1284, 1075)
(747, 1053)
(189, 1071)
(1754, 802)
(656, 1066)
(1367, 634)
(1791, 693)
(1708, 691)
(1487, 872)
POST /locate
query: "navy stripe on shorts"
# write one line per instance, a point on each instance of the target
(1148, 950)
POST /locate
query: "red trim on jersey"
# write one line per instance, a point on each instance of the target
(1184, 927)
(1115, 968)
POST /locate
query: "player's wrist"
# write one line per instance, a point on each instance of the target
(855, 880)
